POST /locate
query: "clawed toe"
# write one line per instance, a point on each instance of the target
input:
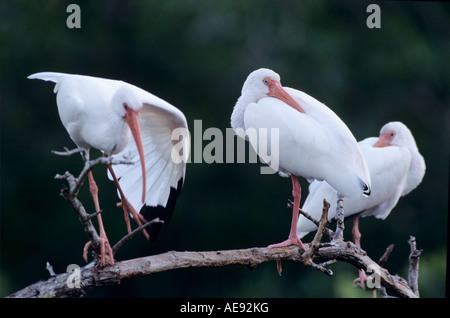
(105, 251)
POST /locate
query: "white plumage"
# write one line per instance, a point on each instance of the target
(312, 144)
(86, 108)
(104, 114)
(163, 173)
(313, 141)
(396, 168)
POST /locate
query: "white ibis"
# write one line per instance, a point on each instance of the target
(396, 168)
(104, 114)
(313, 140)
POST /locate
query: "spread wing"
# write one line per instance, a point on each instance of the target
(166, 142)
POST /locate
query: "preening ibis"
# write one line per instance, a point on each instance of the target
(104, 114)
(313, 141)
(396, 168)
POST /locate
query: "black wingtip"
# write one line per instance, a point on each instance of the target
(367, 191)
(163, 213)
(365, 187)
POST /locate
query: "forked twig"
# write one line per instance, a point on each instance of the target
(413, 272)
(383, 259)
(327, 231)
(75, 184)
(67, 152)
(315, 244)
(134, 232)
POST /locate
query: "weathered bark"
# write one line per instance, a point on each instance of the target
(65, 284)
(316, 255)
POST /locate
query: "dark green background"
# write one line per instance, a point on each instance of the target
(196, 55)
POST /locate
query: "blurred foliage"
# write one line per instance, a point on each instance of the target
(196, 55)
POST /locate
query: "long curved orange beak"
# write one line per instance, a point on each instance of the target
(277, 91)
(132, 119)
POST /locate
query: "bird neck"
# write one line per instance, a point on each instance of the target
(237, 117)
(120, 134)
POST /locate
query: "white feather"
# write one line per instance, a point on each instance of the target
(158, 120)
(391, 169)
(87, 110)
(315, 144)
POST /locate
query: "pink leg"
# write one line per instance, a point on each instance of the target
(357, 240)
(355, 231)
(293, 237)
(127, 207)
(105, 247)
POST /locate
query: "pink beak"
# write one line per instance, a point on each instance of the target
(277, 91)
(383, 141)
(132, 119)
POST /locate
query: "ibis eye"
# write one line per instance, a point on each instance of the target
(392, 134)
(125, 105)
(266, 81)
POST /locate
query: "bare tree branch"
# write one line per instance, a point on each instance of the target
(339, 233)
(94, 276)
(75, 282)
(85, 218)
(133, 233)
(383, 259)
(327, 231)
(315, 244)
(413, 272)
(75, 183)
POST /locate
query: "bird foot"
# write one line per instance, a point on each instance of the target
(288, 242)
(361, 279)
(106, 252)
